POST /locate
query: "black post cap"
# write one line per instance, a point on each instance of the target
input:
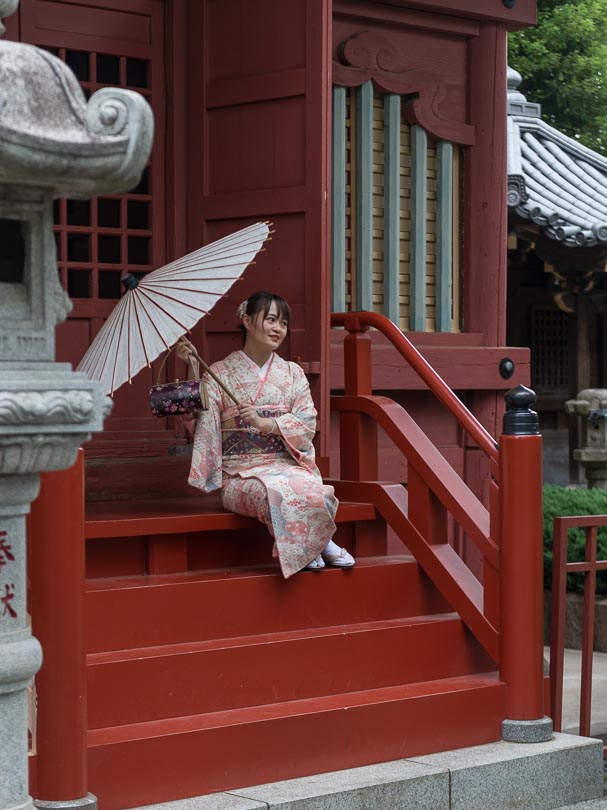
(519, 419)
(129, 281)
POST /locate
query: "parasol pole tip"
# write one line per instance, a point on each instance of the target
(130, 281)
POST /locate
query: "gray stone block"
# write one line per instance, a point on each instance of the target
(213, 801)
(88, 802)
(390, 785)
(527, 731)
(538, 776)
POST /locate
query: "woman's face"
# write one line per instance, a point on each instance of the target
(266, 333)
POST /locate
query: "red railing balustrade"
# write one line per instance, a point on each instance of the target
(505, 612)
(560, 568)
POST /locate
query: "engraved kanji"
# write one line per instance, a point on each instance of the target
(6, 551)
(5, 601)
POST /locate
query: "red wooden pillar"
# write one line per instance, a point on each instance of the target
(357, 431)
(57, 577)
(522, 591)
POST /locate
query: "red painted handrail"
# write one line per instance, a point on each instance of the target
(440, 561)
(505, 612)
(413, 443)
(360, 321)
(560, 568)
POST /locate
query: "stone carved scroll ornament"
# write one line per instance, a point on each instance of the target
(74, 146)
(7, 7)
(113, 112)
(46, 407)
(39, 452)
(368, 56)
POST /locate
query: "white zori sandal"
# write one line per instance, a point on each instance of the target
(338, 559)
(316, 564)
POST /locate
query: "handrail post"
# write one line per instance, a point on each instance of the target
(57, 607)
(522, 593)
(357, 431)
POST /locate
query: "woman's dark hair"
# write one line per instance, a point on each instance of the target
(261, 302)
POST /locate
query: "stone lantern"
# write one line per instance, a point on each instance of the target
(52, 143)
(591, 408)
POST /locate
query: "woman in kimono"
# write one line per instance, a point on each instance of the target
(260, 453)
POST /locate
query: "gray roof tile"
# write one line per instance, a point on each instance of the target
(552, 179)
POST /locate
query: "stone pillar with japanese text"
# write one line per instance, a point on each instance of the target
(53, 143)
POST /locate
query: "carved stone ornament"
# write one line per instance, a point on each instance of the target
(34, 453)
(369, 56)
(107, 404)
(7, 7)
(48, 407)
(50, 136)
(62, 301)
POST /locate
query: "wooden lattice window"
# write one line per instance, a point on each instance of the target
(549, 349)
(99, 240)
(396, 210)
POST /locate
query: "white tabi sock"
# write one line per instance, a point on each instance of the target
(331, 548)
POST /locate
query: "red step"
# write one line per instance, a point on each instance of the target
(209, 680)
(148, 477)
(198, 513)
(210, 676)
(162, 760)
(148, 611)
(179, 534)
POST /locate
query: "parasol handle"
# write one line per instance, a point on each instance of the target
(215, 377)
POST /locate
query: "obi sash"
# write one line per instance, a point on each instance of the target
(240, 439)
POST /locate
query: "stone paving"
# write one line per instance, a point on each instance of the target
(571, 693)
(571, 706)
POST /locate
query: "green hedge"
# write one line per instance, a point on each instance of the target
(560, 502)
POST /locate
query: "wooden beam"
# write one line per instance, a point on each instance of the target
(392, 206)
(419, 164)
(444, 236)
(338, 247)
(364, 186)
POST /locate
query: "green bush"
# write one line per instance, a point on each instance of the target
(561, 502)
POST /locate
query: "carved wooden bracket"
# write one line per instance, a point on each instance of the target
(369, 56)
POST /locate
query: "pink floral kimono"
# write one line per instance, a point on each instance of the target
(272, 477)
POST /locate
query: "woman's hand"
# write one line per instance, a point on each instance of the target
(184, 349)
(250, 415)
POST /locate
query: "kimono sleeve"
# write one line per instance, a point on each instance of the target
(298, 427)
(205, 471)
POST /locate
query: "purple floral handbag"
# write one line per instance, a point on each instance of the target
(172, 399)
(179, 397)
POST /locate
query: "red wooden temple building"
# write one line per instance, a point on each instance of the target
(373, 135)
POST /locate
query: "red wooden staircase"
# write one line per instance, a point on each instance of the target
(206, 671)
(226, 679)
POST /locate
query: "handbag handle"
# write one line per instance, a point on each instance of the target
(206, 368)
(164, 359)
(215, 377)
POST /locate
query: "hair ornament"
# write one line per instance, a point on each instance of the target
(242, 308)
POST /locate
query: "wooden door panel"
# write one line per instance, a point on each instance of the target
(274, 129)
(266, 36)
(258, 150)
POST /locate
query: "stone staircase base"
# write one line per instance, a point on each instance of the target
(565, 772)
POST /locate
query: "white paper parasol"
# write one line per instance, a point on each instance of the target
(156, 311)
